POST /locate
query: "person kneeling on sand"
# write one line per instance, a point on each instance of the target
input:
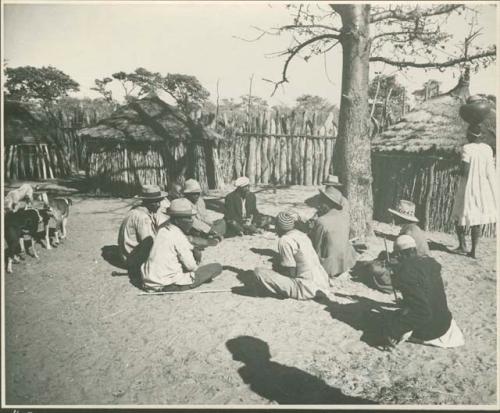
(241, 214)
(330, 234)
(301, 275)
(404, 216)
(173, 263)
(202, 225)
(424, 317)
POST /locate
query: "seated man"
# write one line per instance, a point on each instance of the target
(330, 234)
(141, 221)
(173, 263)
(300, 274)
(202, 224)
(424, 316)
(404, 216)
(241, 214)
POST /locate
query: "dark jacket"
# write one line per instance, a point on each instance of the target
(232, 207)
(424, 299)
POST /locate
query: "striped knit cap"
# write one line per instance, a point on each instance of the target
(285, 221)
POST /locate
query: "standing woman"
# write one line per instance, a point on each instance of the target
(475, 200)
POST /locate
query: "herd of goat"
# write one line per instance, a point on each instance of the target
(22, 221)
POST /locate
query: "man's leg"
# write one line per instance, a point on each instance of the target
(462, 245)
(475, 234)
(277, 283)
(203, 274)
(206, 273)
(219, 227)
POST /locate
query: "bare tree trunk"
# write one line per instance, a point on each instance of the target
(352, 149)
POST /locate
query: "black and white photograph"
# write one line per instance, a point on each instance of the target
(249, 204)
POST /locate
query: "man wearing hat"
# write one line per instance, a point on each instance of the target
(424, 316)
(172, 264)
(330, 234)
(300, 274)
(404, 216)
(202, 224)
(240, 206)
(141, 221)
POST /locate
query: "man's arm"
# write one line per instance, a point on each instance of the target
(316, 237)
(185, 254)
(145, 228)
(415, 303)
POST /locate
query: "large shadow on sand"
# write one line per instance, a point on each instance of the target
(362, 314)
(280, 383)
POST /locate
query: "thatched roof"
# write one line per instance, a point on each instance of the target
(21, 125)
(148, 120)
(434, 127)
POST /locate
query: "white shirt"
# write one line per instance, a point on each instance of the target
(296, 250)
(171, 260)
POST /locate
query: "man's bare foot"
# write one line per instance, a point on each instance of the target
(471, 254)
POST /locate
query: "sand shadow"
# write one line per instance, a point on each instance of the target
(251, 287)
(111, 254)
(437, 246)
(361, 273)
(281, 383)
(267, 252)
(362, 314)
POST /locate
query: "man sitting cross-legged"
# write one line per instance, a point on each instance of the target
(173, 263)
(202, 225)
(330, 234)
(241, 214)
(300, 274)
(141, 222)
(424, 315)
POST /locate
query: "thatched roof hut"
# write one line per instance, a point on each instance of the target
(29, 152)
(418, 158)
(147, 141)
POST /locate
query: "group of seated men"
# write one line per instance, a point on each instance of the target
(161, 241)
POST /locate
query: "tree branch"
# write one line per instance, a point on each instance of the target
(309, 26)
(400, 14)
(293, 52)
(448, 63)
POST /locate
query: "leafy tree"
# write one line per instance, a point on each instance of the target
(312, 103)
(403, 36)
(101, 87)
(44, 84)
(388, 98)
(139, 83)
(253, 104)
(186, 90)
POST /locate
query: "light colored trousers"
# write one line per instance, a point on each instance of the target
(285, 287)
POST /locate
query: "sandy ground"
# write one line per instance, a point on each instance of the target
(76, 334)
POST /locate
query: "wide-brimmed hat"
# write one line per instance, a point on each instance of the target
(404, 242)
(181, 207)
(192, 186)
(333, 194)
(241, 182)
(405, 210)
(151, 193)
(332, 180)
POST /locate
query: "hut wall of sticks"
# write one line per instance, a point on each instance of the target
(148, 141)
(29, 152)
(418, 159)
(277, 148)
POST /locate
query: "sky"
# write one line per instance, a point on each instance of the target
(89, 41)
